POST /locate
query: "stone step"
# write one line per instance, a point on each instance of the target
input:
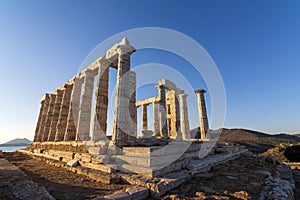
(152, 171)
(154, 161)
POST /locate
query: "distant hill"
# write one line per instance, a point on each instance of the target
(255, 141)
(17, 142)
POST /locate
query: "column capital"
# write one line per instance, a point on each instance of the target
(161, 86)
(45, 96)
(67, 85)
(103, 62)
(53, 94)
(200, 91)
(183, 95)
(87, 72)
(125, 47)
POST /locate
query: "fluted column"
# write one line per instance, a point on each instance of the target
(49, 118)
(125, 110)
(155, 119)
(72, 121)
(101, 103)
(144, 117)
(56, 111)
(202, 113)
(185, 124)
(39, 121)
(63, 115)
(163, 125)
(43, 112)
(86, 106)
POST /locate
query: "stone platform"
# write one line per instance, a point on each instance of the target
(157, 168)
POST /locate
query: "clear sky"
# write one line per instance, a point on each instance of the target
(255, 44)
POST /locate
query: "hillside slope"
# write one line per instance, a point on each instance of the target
(255, 141)
(17, 142)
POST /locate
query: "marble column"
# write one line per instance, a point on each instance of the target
(41, 125)
(155, 119)
(124, 109)
(101, 103)
(55, 116)
(144, 117)
(49, 117)
(202, 113)
(163, 125)
(64, 111)
(72, 121)
(39, 121)
(173, 115)
(185, 124)
(86, 106)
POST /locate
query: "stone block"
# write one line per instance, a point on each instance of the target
(100, 159)
(138, 192)
(100, 167)
(72, 163)
(77, 156)
(86, 157)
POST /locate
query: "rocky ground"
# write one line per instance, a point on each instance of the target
(296, 174)
(242, 178)
(61, 183)
(239, 179)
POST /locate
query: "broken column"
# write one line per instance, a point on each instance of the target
(72, 121)
(101, 103)
(85, 108)
(64, 111)
(202, 113)
(185, 125)
(163, 126)
(125, 109)
(144, 117)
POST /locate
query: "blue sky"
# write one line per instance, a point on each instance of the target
(255, 44)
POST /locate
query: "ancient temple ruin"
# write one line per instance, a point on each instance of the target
(65, 114)
(67, 132)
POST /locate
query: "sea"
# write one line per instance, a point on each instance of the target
(12, 149)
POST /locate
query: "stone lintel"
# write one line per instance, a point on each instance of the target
(147, 101)
(170, 86)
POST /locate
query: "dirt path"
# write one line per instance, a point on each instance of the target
(61, 183)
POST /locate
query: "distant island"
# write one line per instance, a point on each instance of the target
(16, 142)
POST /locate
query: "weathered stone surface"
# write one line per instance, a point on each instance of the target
(124, 124)
(281, 185)
(55, 116)
(86, 105)
(72, 163)
(49, 117)
(185, 124)
(46, 100)
(72, 121)
(18, 185)
(202, 113)
(64, 111)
